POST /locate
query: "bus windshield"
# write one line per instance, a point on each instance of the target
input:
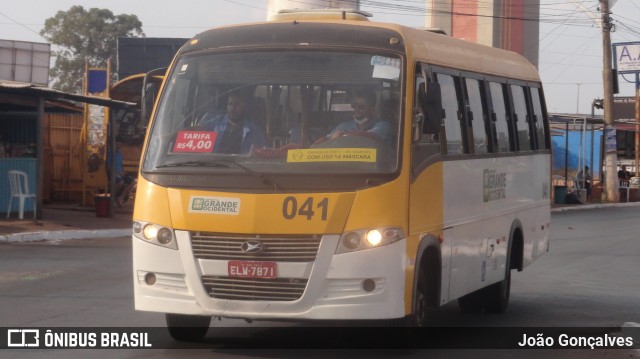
(280, 113)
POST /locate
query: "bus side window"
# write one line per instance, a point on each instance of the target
(426, 142)
(500, 118)
(538, 118)
(452, 123)
(477, 115)
(520, 118)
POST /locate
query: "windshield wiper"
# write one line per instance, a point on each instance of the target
(222, 163)
(193, 164)
(265, 180)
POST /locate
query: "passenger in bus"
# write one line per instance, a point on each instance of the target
(236, 133)
(363, 120)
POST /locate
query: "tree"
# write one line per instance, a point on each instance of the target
(85, 35)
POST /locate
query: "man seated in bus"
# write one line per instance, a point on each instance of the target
(236, 133)
(364, 121)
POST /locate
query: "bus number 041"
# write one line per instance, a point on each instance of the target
(290, 208)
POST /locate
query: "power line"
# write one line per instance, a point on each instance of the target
(557, 36)
(246, 5)
(404, 8)
(20, 24)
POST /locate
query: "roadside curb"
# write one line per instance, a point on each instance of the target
(112, 233)
(63, 235)
(595, 206)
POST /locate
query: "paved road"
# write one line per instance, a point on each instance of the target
(590, 278)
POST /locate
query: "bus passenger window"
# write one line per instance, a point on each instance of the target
(451, 108)
(522, 123)
(538, 118)
(429, 143)
(480, 138)
(500, 111)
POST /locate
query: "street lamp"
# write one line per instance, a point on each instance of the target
(597, 103)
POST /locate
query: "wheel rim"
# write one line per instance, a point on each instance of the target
(421, 309)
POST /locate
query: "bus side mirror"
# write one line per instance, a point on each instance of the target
(149, 92)
(431, 105)
(148, 98)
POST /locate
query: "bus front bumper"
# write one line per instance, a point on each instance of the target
(366, 284)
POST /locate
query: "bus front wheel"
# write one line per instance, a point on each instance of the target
(188, 328)
(419, 317)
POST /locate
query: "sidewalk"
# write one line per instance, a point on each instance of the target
(62, 222)
(569, 207)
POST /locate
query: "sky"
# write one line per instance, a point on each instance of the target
(570, 63)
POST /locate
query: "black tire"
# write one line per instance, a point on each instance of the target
(419, 316)
(497, 295)
(492, 299)
(472, 302)
(187, 328)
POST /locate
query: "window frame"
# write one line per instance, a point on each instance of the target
(460, 113)
(485, 112)
(535, 119)
(466, 127)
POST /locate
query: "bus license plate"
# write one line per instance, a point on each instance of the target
(252, 269)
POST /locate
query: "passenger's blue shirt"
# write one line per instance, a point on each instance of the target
(251, 134)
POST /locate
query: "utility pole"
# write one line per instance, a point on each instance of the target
(578, 100)
(637, 134)
(610, 155)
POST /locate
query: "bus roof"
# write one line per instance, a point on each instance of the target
(419, 45)
(446, 51)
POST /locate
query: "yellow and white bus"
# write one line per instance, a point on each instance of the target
(310, 226)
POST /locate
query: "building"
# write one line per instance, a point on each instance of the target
(507, 24)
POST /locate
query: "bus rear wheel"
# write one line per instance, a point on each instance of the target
(188, 328)
(497, 295)
(472, 302)
(492, 299)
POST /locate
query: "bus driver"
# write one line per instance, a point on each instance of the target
(363, 120)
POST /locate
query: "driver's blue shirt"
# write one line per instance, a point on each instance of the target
(377, 127)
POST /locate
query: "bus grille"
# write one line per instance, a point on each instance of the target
(279, 248)
(279, 289)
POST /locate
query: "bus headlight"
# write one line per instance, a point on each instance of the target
(352, 240)
(155, 234)
(164, 235)
(150, 232)
(374, 237)
(365, 239)
(137, 227)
